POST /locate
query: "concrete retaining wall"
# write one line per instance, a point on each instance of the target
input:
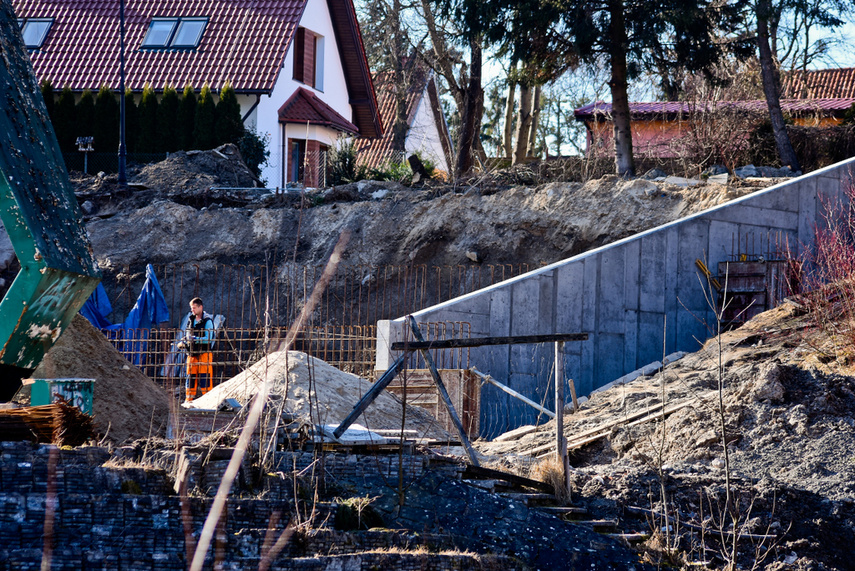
(627, 296)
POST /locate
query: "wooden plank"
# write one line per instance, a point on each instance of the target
(370, 395)
(560, 440)
(483, 341)
(446, 400)
(489, 473)
(595, 434)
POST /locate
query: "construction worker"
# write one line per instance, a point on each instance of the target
(198, 338)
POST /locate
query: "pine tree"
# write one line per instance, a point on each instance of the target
(167, 120)
(131, 122)
(186, 118)
(64, 120)
(84, 115)
(106, 128)
(203, 130)
(147, 141)
(47, 95)
(228, 124)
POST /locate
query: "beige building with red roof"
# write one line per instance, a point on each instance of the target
(298, 66)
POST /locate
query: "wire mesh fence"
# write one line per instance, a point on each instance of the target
(349, 348)
(252, 296)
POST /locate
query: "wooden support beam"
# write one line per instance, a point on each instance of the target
(560, 440)
(371, 394)
(443, 393)
(483, 341)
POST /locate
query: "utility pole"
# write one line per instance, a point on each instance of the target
(122, 178)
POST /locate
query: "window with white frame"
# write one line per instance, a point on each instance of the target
(174, 33)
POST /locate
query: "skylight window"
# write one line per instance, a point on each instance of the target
(174, 33)
(35, 30)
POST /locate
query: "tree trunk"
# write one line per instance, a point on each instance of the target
(771, 87)
(507, 141)
(472, 109)
(400, 128)
(535, 119)
(624, 164)
(443, 58)
(523, 124)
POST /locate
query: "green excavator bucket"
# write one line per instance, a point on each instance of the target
(44, 223)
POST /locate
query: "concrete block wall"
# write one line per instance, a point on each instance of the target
(629, 296)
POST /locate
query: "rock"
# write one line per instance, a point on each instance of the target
(473, 256)
(768, 387)
(746, 171)
(654, 173)
(773, 172)
(640, 188)
(682, 181)
(87, 207)
(717, 463)
(706, 438)
(714, 171)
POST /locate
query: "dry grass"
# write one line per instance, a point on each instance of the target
(550, 471)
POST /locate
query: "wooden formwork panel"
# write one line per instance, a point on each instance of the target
(464, 390)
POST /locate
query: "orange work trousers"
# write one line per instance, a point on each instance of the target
(200, 375)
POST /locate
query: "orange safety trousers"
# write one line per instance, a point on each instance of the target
(200, 375)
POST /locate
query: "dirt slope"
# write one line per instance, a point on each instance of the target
(163, 218)
(126, 404)
(788, 408)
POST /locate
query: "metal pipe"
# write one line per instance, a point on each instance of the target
(512, 392)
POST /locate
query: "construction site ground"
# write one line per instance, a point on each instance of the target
(648, 463)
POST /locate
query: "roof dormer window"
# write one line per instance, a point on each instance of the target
(35, 30)
(178, 33)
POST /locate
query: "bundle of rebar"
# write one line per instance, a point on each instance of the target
(56, 423)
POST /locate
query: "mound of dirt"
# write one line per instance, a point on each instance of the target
(392, 225)
(789, 422)
(320, 394)
(126, 404)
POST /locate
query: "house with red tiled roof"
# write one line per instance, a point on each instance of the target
(819, 84)
(298, 66)
(427, 130)
(818, 98)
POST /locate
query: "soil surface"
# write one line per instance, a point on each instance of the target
(787, 403)
(126, 404)
(187, 209)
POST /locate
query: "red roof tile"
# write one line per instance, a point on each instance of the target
(244, 43)
(305, 107)
(601, 110)
(819, 83)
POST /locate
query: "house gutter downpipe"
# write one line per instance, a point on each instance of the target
(122, 178)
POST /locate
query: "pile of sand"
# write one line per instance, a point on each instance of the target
(320, 394)
(126, 404)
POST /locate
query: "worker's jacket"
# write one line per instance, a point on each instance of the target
(201, 335)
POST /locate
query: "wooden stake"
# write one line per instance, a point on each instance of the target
(560, 439)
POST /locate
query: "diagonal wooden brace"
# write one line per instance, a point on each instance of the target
(443, 393)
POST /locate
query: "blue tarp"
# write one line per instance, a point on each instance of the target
(97, 308)
(149, 310)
